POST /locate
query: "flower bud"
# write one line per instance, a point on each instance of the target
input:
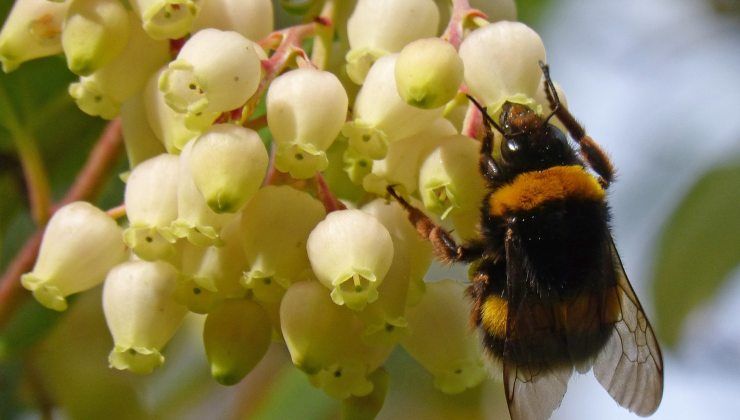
(275, 227)
(385, 318)
(379, 27)
(324, 340)
(428, 73)
(236, 336)
(215, 71)
(400, 166)
(164, 19)
(502, 61)
(169, 126)
(80, 244)
(103, 92)
(228, 163)
(195, 220)
(140, 141)
(381, 116)
(251, 18)
(141, 312)
(441, 339)
(350, 253)
(306, 109)
(95, 31)
(32, 30)
(449, 182)
(151, 206)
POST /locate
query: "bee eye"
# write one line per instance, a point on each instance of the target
(511, 150)
(512, 146)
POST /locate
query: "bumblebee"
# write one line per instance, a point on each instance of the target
(549, 292)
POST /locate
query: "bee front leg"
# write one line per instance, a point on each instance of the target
(591, 152)
(445, 247)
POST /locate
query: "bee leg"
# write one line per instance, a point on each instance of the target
(591, 152)
(486, 164)
(445, 247)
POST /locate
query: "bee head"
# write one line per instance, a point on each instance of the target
(529, 142)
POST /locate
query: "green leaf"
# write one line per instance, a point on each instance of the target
(699, 247)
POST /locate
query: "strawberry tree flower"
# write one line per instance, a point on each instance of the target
(324, 340)
(441, 339)
(138, 137)
(385, 318)
(350, 253)
(251, 18)
(195, 219)
(306, 109)
(95, 31)
(228, 164)
(80, 244)
(163, 19)
(32, 30)
(400, 166)
(380, 115)
(428, 73)
(215, 71)
(449, 182)
(141, 312)
(104, 90)
(236, 336)
(169, 126)
(286, 216)
(151, 206)
(502, 63)
(380, 27)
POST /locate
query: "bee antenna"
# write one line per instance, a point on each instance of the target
(487, 117)
(550, 91)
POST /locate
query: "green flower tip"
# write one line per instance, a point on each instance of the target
(355, 291)
(138, 360)
(49, 296)
(300, 160)
(366, 140)
(150, 243)
(463, 375)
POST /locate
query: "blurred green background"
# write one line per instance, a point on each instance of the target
(655, 82)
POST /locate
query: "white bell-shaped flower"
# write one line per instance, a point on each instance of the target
(251, 18)
(450, 184)
(195, 220)
(95, 31)
(33, 29)
(151, 206)
(170, 127)
(400, 166)
(306, 109)
(163, 19)
(80, 244)
(380, 115)
(441, 339)
(141, 312)
(502, 63)
(215, 71)
(275, 227)
(385, 318)
(236, 336)
(428, 73)
(102, 92)
(228, 163)
(325, 340)
(350, 253)
(379, 27)
(140, 141)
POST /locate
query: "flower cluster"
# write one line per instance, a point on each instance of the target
(256, 194)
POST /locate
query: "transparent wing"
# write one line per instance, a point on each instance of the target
(630, 366)
(536, 362)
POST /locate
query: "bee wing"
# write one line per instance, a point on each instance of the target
(630, 365)
(535, 382)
